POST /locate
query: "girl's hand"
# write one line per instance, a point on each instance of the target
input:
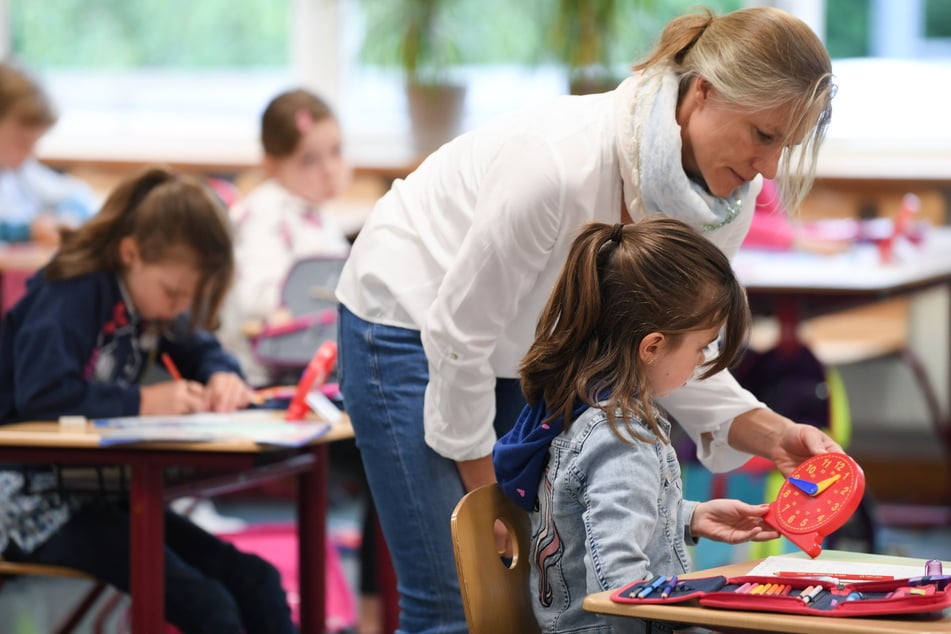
(227, 392)
(171, 397)
(731, 521)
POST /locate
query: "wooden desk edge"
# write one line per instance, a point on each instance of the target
(693, 614)
(49, 434)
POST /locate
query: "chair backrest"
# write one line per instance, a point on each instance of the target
(308, 293)
(495, 592)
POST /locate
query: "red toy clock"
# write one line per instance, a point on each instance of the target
(817, 499)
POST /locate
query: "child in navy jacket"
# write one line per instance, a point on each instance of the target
(145, 276)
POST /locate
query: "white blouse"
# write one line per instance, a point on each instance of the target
(468, 247)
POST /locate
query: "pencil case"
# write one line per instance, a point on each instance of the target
(788, 595)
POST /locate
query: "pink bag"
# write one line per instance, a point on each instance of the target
(278, 544)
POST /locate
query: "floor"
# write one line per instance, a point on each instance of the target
(33, 605)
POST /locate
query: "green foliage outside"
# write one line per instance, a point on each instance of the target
(484, 32)
(938, 18)
(121, 34)
(847, 27)
(118, 34)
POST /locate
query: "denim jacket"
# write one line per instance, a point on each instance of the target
(609, 512)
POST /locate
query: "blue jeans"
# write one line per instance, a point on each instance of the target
(383, 375)
(210, 586)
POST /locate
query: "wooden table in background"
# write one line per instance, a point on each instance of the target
(231, 465)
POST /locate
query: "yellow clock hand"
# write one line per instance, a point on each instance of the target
(822, 485)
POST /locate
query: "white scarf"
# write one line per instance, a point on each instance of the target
(649, 150)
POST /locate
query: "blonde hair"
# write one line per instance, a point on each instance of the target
(619, 284)
(286, 119)
(23, 98)
(759, 59)
(170, 216)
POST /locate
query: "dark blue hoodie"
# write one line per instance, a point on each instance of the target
(520, 455)
(76, 346)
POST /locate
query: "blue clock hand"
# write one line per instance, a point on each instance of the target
(809, 488)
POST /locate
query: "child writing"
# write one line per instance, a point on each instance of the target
(35, 201)
(631, 318)
(143, 278)
(280, 220)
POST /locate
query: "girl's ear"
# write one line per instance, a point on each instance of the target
(651, 347)
(128, 251)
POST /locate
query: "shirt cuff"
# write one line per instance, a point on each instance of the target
(689, 508)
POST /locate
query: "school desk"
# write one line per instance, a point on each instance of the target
(753, 621)
(227, 465)
(797, 285)
(17, 263)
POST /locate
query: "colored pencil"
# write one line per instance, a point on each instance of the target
(170, 366)
(837, 575)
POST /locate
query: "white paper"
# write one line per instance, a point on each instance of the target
(840, 565)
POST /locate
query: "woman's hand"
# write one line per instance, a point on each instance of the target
(226, 392)
(731, 521)
(799, 442)
(765, 433)
(171, 398)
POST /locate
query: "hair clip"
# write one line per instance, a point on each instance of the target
(304, 120)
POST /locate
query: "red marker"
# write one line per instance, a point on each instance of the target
(314, 375)
(170, 366)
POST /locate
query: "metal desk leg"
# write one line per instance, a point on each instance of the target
(147, 565)
(311, 542)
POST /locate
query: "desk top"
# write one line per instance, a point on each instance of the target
(771, 621)
(50, 434)
(857, 271)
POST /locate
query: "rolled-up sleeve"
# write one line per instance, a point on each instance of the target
(705, 409)
(516, 223)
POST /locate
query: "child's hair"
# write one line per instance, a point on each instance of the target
(23, 98)
(172, 218)
(287, 118)
(619, 284)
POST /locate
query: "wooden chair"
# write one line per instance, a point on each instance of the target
(495, 592)
(83, 606)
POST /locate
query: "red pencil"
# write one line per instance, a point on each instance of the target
(837, 575)
(170, 366)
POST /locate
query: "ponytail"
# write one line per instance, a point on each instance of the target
(677, 38)
(95, 245)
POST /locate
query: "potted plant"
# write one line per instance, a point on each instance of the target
(415, 35)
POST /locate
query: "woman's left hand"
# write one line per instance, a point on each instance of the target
(800, 442)
(227, 392)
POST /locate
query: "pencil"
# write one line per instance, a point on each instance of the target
(837, 575)
(170, 366)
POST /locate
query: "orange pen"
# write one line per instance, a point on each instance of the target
(170, 366)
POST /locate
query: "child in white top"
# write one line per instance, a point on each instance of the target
(280, 221)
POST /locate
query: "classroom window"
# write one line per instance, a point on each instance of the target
(171, 79)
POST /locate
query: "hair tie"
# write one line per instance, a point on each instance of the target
(616, 233)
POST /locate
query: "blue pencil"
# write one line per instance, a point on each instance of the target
(669, 587)
(653, 585)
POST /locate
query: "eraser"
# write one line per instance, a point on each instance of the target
(72, 423)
